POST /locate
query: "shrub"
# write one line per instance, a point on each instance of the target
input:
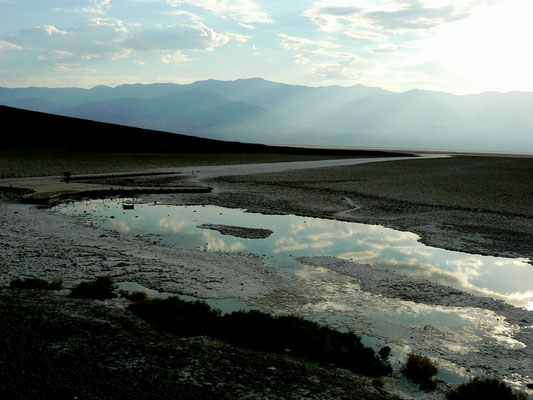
(100, 289)
(56, 284)
(36, 283)
(135, 296)
(184, 318)
(258, 330)
(378, 382)
(486, 389)
(419, 369)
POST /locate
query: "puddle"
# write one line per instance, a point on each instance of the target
(293, 237)
(227, 306)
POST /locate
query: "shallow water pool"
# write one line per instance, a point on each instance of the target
(508, 279)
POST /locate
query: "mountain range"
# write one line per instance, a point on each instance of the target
(260, 111)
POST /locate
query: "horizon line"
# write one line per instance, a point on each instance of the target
(267, 80)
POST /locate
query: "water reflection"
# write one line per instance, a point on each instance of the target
(215, 243)
(293, 237)
(171, 225)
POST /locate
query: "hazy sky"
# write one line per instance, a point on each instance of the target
(462, 46)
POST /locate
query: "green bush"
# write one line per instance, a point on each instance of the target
(257, 330)
(419, 369)
(36, 283)
(100, 289)
(486, 389)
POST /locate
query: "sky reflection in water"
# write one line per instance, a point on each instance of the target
(508, 279)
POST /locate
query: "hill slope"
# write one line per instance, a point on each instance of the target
(30, 130)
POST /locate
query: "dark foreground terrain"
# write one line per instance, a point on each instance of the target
(54, 347)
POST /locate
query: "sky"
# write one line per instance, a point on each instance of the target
(463, 46)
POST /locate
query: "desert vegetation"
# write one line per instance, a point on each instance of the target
(420, 369)
(260, 331)
(36, 284)
(485, 388)
(102, 288)
(134, 296)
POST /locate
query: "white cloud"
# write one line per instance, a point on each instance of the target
(4, 45)
(186, 36)
(378, 21)
(75, 68)
(297, 43)
(183, 13)
(174, 57)
(116, 24)
(247, 26)
(98, 38)
(94, 7)
(352, 68)
(243, 11)
(103, 37)
(301, 59)
(52, 30)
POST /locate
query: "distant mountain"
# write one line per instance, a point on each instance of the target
(260, 111)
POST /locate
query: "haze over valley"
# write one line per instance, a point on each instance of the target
(260, 111)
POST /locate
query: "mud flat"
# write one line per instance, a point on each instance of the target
(481, 205)
(239, 231)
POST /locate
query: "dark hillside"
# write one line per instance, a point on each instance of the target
(30, 130)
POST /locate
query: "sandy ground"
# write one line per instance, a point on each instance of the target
(477, 204)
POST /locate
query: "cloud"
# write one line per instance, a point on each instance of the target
(301, 59)
(94, 7)
(98, 38)
(245, 12)
(351, 68)
(370, 20)
(186, 36)
(186, 14)
(414, 16)
(297, 43)
(8, 46)
(176, 56)
(75, 68)
(110, 38)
